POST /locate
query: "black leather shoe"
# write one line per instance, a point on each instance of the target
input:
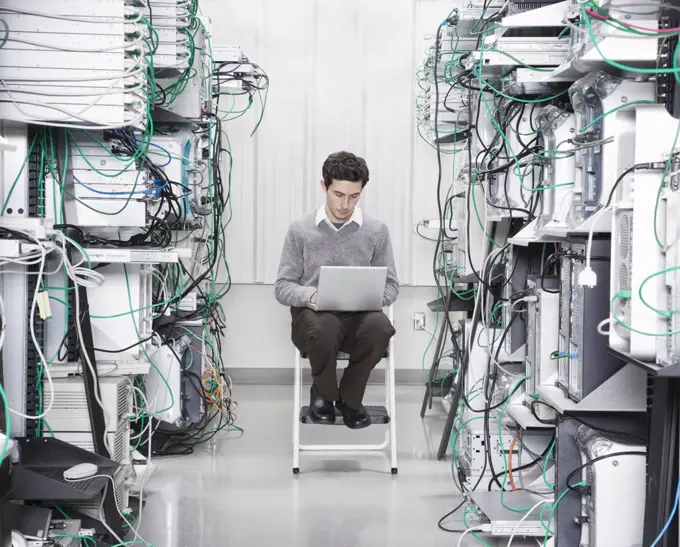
(353, 418)
(321, 411)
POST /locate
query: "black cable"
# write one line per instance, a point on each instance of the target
(131, 346)
(440, 524)
(546, 265)
(594, 461)
(534, 413)
(440, 175)
(623, 176)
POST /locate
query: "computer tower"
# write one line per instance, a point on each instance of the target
(589, 362)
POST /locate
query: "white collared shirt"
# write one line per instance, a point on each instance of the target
(357, 217)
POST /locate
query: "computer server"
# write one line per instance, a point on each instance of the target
(519, 263)
(542, 336)
(555, 128)
(615, 478)
(585, 352)
(597, 156)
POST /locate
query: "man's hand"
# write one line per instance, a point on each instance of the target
(312, 301)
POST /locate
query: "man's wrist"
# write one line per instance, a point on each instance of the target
(312, 300)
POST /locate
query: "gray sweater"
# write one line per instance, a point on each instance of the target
(309, 246)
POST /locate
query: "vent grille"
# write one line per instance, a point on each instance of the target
(625, 250)
(565, 293)
(563, 363)
(119, 441)
(576, 303)
(122, 405)
(72, 396)
(625, 228)
(624, 277)
(531, 332)
(531, 359)
(75, 401)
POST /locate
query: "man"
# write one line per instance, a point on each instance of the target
(338, 234)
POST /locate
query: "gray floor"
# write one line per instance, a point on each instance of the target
(241, 492)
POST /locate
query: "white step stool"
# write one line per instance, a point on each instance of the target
(379, 414)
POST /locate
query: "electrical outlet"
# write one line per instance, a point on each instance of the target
(418, 321)
(431, 224)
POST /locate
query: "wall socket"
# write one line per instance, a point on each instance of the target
(418, 321)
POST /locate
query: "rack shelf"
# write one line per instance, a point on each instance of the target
(523, 416)
(454, 305)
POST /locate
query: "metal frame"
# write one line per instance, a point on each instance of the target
(390, 403)
(434, 368)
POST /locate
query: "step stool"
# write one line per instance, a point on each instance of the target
(380, 415)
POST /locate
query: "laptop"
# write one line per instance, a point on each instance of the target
(351, 288)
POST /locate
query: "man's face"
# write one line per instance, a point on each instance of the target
(342, 197)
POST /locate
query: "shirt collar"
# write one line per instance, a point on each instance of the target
(357, 217)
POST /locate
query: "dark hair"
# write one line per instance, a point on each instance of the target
(345, 166)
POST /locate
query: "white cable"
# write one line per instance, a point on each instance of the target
(86, 278)
(525, 517)
(85, 93)
(164, 283)
(469, 531)
(106, 20)
(602, 324)
(588, 278)
(564, 212)
(34, 338)
(133, 70)
(124, 46)
(520, 300)
(100, 514)
(133, 122)
(79, 114)
(84, 354)
(68, 114)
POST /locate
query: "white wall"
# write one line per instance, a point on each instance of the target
(342, 77)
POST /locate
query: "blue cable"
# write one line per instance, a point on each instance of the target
(134, 139)
(102, 192)
(164, 150)
(670, 517)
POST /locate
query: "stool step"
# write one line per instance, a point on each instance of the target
(341, 356)
(378, 414)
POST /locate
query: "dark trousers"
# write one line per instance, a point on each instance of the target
(321, 335)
